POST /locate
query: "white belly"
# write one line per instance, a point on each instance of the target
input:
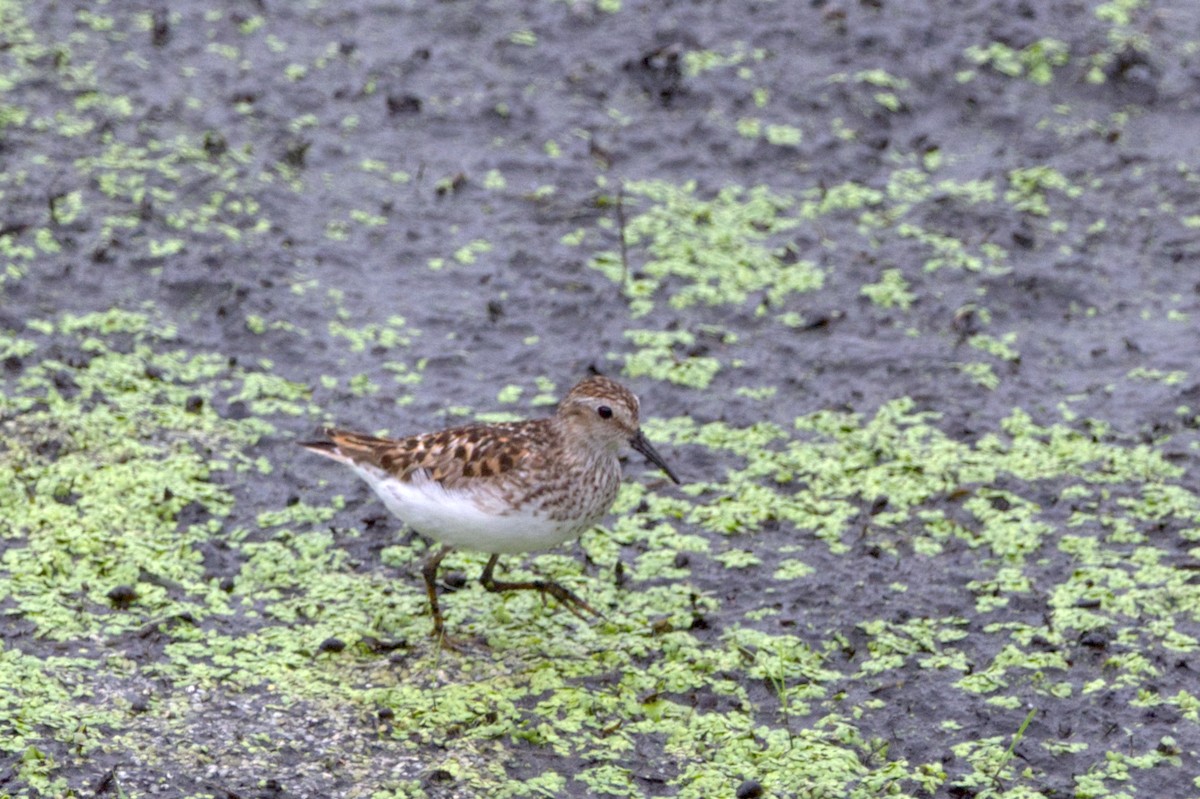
(478, 521)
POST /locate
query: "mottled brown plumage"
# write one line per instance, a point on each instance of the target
(453, 456)
(510, 487)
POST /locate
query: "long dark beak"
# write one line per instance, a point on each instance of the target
(642, 445)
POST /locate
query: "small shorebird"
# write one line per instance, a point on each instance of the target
(504, 488)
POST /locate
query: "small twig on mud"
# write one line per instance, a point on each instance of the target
(621, 234)
(779, 682)
(1016, 739)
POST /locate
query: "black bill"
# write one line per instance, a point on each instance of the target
(642, 445)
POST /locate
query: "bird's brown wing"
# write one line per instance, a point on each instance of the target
(451, 457)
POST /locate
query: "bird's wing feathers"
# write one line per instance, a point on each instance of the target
(451, 457)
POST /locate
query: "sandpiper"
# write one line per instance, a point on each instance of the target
(504, 488)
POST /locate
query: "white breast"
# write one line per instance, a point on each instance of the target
(478, 519)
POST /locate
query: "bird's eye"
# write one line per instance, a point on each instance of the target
(604, 411)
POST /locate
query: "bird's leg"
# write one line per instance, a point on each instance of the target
(429, 570)
(559, 592)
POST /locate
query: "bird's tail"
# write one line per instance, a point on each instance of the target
(344, 446)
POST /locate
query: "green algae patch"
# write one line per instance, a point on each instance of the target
(892, 291)
(108, 438)
(1088, 533)
(102, 451)
(1028, 187)
(712, 251)
(761, 253)
(674, 356)
(764, 253)
(1035, 62)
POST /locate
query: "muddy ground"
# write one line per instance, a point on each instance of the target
(908, 291)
